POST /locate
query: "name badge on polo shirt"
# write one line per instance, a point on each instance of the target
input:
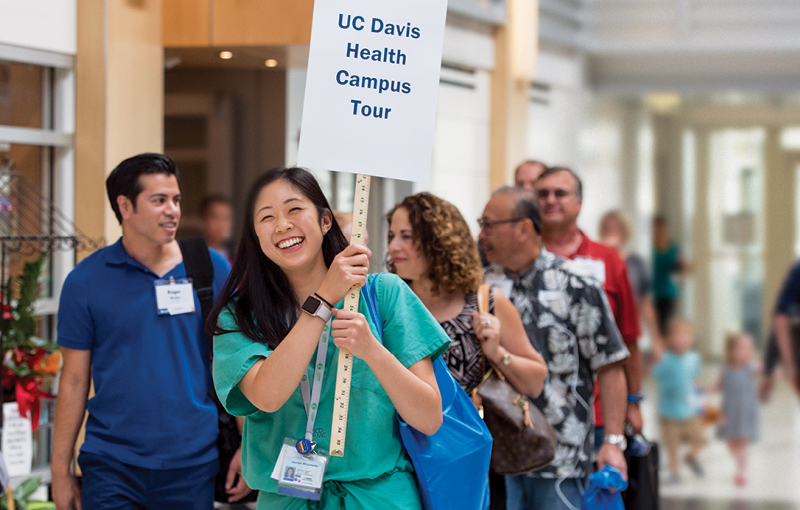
(592, 267)
(174, 297)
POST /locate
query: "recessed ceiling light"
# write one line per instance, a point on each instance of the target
(225, 55)
(271, 63)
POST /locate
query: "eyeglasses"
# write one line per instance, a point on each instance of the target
(558, 193)
(486, 225)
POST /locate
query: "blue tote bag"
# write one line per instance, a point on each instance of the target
(452, 466)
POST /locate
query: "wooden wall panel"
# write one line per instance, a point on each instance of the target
(186, 23)
(261, 22)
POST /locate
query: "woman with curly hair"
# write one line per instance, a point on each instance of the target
(431, 248)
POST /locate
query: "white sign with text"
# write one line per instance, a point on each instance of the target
(372, 87)
(17, 442)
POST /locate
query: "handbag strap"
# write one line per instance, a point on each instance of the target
(483, 306)
(483, 298)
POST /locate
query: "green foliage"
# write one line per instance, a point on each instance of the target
(22, 496)
(20, 328)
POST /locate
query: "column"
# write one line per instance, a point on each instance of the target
(701, 313)
(779, 220)
(119, 99)
(515, 57)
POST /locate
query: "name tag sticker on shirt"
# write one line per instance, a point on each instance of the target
(174, 297)
(556, 301)
(594, 268)
(547, 296)
(504, 285)
(300, 475)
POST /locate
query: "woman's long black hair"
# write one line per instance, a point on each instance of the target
(257, 290)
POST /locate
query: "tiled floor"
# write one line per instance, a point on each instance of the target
(774, 466)
(741, 504)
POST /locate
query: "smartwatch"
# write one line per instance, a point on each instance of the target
(617, 440)
(314, 306)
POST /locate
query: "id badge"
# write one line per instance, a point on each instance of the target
(300, 475)
(174, 297)
(592, 267)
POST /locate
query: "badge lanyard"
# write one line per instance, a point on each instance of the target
(311, 396)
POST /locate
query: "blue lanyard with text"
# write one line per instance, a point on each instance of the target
(311, 397)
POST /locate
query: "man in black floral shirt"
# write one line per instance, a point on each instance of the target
(568, 320)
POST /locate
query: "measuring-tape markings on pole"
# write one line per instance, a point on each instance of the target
(341, 400)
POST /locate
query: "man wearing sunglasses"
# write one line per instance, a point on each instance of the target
(560, 194)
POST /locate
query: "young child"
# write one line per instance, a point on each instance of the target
(676, 368)
(739, 400)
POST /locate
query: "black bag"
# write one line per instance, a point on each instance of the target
(642, 491)
(199, 268)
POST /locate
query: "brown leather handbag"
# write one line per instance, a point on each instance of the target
(524, 441)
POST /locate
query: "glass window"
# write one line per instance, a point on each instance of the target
(22, 210)
(37, 111)
(736, 219)
(21, 98)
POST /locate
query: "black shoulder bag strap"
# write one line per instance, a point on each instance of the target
(197, 261)
(199, 268)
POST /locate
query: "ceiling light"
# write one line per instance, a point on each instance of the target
(271, 63)
(225, 55)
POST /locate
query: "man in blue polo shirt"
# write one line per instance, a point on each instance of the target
(129, 320)
(787, 311)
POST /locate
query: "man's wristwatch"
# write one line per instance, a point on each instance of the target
(617, 440)
(314, 306)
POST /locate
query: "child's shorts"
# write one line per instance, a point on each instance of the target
(675, 433)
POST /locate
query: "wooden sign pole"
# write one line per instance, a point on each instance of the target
(341, 400)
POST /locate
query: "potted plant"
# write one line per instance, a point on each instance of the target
(19, 498)
(29, 362)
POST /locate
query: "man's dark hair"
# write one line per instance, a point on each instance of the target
(557, 169)
(124, 179)
(211, 200)
(526, 205)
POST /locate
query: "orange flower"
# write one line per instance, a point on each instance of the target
(50, 364)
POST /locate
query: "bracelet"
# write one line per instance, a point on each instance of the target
(324, 300)
(635, 398)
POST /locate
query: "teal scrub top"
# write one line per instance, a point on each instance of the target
(374, 457)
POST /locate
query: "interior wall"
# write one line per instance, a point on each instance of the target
(555, 108)
(460, 168)
(598, 136)
(49, 25)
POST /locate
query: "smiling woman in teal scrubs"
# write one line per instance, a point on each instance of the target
(291, 264)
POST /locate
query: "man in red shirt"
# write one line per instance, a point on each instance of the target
(560, 197)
